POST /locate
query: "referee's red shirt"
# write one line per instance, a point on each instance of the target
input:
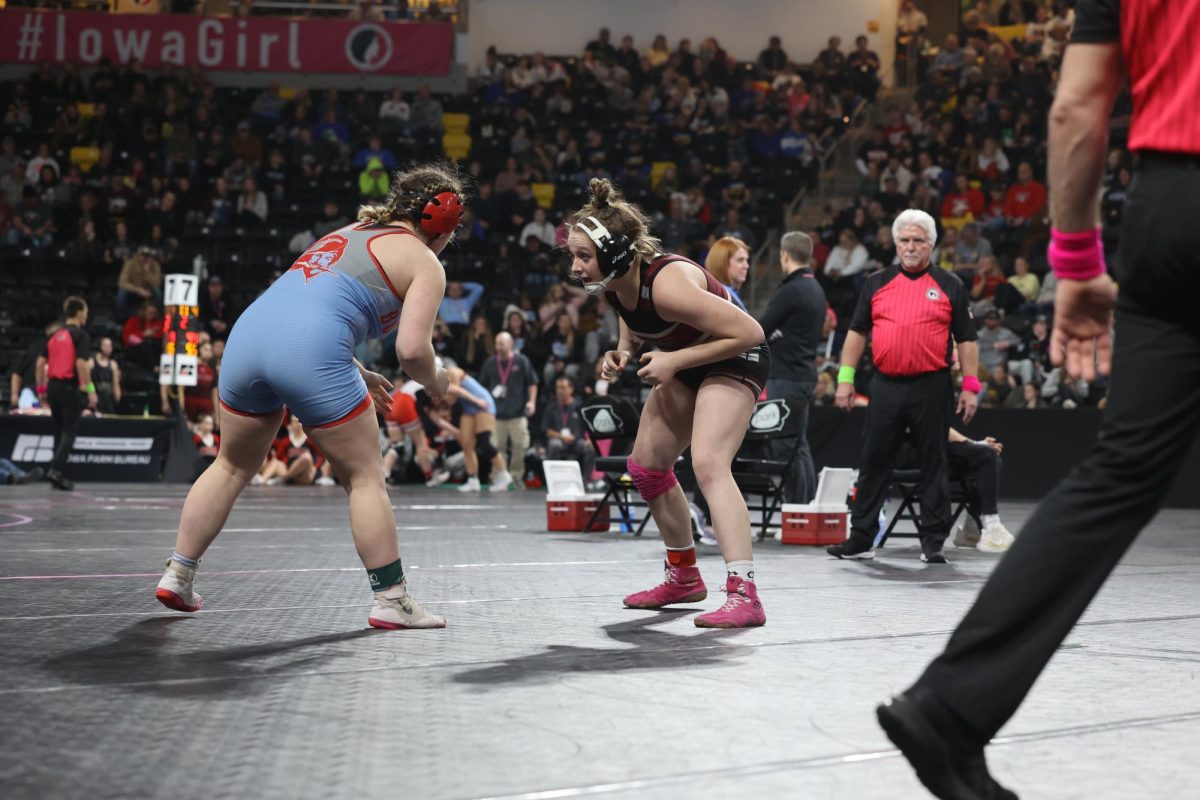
(61, 350)
(1159, 44)
(913, 320)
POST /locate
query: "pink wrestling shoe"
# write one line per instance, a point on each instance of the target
(683, 585)
(741, 610)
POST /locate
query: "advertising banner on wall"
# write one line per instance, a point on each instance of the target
(105, 449)
(256, 44)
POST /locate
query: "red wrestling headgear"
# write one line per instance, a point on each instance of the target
(441, 214)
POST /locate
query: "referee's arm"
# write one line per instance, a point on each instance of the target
(1091, 77)
(855, 344)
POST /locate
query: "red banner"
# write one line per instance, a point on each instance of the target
(257, 44)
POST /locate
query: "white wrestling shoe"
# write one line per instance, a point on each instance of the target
(177, 590)
(325, 480)
(395, 610)
(472, 485)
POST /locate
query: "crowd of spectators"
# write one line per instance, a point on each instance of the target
(112, 176)
(970, 149)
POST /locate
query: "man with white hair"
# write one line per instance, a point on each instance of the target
(914, 316)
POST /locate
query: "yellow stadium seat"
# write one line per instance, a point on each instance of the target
(544, 192)
(86, 110)
(456, 145)
(456, 123)
(85, 157)
(288, 92)
(657, 169)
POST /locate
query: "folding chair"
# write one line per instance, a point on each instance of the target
(765, 477)
(614, 419)
(904, 482)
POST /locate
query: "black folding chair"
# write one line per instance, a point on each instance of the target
(766, 476)
(904, 483)
(614, 419)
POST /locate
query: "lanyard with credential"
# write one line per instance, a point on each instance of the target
(502, 387)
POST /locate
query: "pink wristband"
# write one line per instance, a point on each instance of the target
(971, 384)
(1076, 256)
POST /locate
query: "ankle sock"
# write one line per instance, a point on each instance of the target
(682, 556)
(991, 519)
(184, 561)
(741, 569)
(385, 577)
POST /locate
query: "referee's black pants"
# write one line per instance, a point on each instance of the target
(66, 406)
(916, 409)
(1083, 527)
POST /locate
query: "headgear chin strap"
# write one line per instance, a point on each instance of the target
(599, 286)
(614, 252)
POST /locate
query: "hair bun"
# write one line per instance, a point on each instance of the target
(601, 190)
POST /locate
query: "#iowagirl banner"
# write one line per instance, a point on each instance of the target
(257, 44)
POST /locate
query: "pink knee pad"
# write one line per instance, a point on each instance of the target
(651, 483)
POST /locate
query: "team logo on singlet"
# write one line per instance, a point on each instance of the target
(933, 294)
(369, 47)
(319, 258)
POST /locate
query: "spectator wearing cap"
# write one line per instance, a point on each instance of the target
(216, 311)
(247, 145)
(997, 344)
(140, 280)
(33, 224)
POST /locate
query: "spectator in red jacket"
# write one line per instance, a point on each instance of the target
(146, 324)
(964, 203)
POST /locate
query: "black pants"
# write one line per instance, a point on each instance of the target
(65, 409)
(981, 464)
(801, 480)
(578, 450)
(1084, 526)
(916, 409)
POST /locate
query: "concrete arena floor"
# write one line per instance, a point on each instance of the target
(543, 686)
